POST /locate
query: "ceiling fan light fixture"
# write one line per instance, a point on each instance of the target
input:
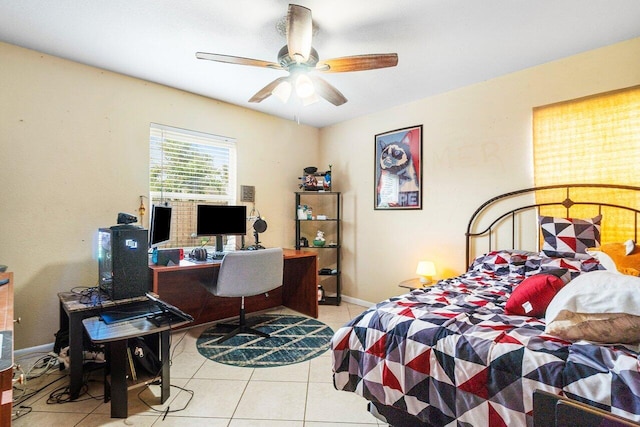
(301, 60)
(304, 86)
(311, 99)
(283, 91)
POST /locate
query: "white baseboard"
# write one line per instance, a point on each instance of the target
(44, 348)
(357, 301)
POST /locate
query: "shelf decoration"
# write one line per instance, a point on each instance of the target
(319, 239)
(398, 169)
(312, 180)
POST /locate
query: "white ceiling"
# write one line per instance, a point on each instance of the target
(441, 44)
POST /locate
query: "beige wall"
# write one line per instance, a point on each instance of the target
(75, 152)
(477, 144)
(75, 144)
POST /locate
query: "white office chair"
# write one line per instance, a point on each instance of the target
(247, 273)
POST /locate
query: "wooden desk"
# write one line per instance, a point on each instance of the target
(74, 308)
(184, 287)
(115, 337)
(6, 355)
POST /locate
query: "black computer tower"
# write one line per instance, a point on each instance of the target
(123, 261)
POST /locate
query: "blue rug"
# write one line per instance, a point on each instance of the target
(293, 339)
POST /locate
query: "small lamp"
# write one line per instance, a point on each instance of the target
(426, 270)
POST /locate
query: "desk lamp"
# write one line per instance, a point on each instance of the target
(426, 270)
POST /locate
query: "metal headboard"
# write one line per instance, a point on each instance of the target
(511, 214)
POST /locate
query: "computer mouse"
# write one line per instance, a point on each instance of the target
(3, 268)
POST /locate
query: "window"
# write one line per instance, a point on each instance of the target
(187, 168)
(590, 140)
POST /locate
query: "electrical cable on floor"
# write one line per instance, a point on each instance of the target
(45, 364)
(167, 410)
(175, 347)
(28, 396)
(63, 395)
(158, 374)
(21, 410)
(38, 368)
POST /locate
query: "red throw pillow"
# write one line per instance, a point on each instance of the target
(532, 296)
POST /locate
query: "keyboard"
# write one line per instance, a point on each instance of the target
(167, 308)
(130, 312)
(155, 310)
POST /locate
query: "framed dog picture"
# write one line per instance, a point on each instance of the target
(398, 169)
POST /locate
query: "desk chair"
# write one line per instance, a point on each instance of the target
(248, 273)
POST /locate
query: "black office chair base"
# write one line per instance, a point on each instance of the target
(239, 329)
(243, 327)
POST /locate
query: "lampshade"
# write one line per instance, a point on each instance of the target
(304, 86)
(283, 91)
(426, 270)
(311, 99)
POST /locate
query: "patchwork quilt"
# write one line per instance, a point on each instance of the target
(450, 356)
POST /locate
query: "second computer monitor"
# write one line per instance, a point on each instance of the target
(160, 225)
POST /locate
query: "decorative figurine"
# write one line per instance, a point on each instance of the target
(310, 182)
(327, 180)
(319, 239)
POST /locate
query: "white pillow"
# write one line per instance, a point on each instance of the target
(597, 292)
(630, 246)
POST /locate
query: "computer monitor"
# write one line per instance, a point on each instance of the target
(160, 227)
(221, 220)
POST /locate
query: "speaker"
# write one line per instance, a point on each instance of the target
(199, 254)
(124, 261)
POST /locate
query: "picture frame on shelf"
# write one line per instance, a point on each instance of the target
(398, 169)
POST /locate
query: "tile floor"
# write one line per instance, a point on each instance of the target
(299, 395)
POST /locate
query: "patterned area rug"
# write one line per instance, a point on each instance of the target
(293, 339)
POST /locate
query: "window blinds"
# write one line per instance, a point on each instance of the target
(187, 168)
(188, 164)
(590, 140)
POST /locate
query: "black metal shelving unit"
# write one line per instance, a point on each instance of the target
(326, 203)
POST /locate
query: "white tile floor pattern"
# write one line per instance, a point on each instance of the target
(299, 395)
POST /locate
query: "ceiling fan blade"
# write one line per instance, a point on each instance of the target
(237, 60)
(358, 63)
(328, 92)
(299, 32)
(266, 91)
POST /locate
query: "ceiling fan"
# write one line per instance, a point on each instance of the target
(299, 58)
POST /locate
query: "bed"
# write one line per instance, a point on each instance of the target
(561, 318)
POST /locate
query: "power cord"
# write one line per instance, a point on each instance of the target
(63, 394)
(168, 409)
(38, 368)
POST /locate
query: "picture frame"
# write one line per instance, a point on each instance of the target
(398, 169)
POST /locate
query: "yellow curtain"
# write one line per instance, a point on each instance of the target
(591, 140)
